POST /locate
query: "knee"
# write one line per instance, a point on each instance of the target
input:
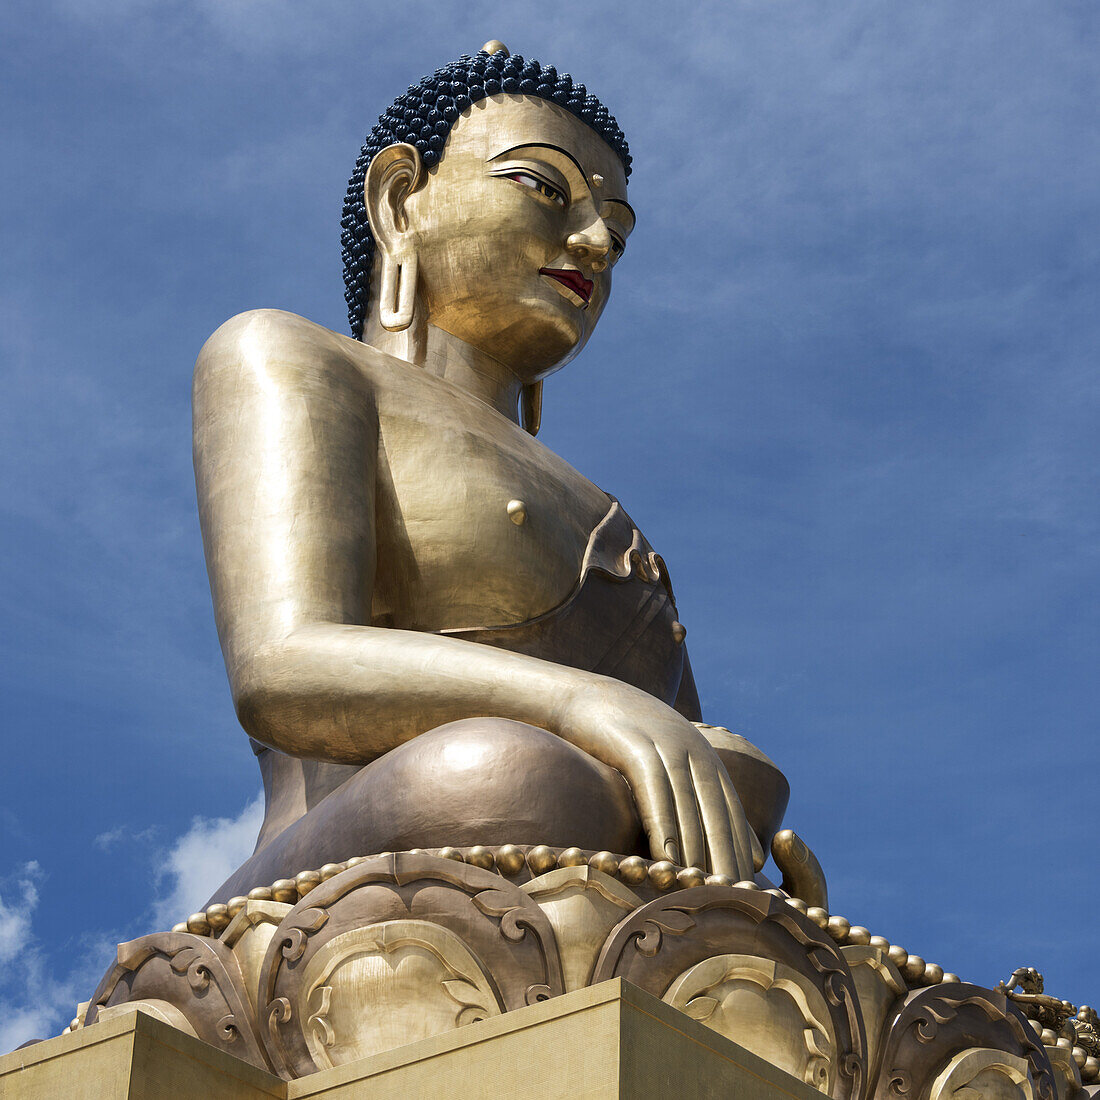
(492, 780)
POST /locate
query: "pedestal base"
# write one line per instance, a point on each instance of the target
(607, 1041)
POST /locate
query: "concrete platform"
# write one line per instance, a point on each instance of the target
(607, 1041)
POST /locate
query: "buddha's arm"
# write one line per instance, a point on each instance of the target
(285, 452)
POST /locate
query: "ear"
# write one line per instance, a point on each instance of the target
(394, 174)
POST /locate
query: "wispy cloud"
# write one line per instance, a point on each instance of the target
(15, 916)
(37, 996)
(203, 858)
(34, 1001)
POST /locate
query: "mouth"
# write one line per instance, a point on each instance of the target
(571, 279)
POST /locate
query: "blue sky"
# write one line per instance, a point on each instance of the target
(846, 385)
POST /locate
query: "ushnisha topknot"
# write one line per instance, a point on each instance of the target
(423, 116)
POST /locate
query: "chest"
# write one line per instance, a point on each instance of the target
(478, 524)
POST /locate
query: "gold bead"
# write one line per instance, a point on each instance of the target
(306, 881)
(218, 916)
(572, 857)
(260, 893)
(517, 512)
(510, 860)
(1080, 1056)
(74, 1024)
(662, 874)
(412, 852)
(1048, 1037)
(330, 870)
(235, 905)
(913, 969)
(689, 877)
(777, 893)
(604, 862)
(633, 870)
(1090, 1071)
(494, 45)
(198, 924)
(679, 633)
(597, 179)
(181, 927)
(451, 853)
(285, 890)
(746, 884)
(819, 916)
(799, 904)
(541, 859)
(355, 861)
(480, 856)
(880, 942)
(719, 880)
(897, 955)
(859, 935)
(933, 974)
(949, 978)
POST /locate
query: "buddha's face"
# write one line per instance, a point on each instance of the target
(517, 230)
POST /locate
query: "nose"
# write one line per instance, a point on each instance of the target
(590, 245)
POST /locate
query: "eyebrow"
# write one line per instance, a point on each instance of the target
(569, 156)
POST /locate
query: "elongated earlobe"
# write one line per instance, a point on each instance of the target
(397, 294)
(394, 174)
(530, 406)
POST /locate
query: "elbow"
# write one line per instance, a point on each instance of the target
(284, 702)
(271, 702)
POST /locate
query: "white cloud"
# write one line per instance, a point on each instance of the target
(203, 858)
(34, 1003)
(15, 917)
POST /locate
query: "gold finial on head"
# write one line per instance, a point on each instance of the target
(494, 45)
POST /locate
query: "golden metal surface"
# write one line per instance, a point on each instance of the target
(350, 493)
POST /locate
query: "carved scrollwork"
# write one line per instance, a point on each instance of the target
(671, 942)
(449, 941)
(198, 978)
(373, 988)
(765, 1006)
(939, 1024)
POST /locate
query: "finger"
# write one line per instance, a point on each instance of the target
(693, 847)
(653, 797)
(742, 835)
(717, 819)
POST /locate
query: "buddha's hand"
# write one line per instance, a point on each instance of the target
(688, 805)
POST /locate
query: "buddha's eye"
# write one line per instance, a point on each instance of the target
(539, 185)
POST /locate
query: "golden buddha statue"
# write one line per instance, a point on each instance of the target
(438, 632)
(441, 636)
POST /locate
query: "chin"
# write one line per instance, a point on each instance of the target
(542, 340)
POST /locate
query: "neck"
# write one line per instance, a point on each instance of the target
(446, 356)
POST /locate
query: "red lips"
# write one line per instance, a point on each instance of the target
(576, 282)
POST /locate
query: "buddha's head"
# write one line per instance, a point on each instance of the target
(490, 202)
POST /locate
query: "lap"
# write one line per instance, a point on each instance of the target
(479, 781)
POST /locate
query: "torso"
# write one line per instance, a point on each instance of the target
(449, 555)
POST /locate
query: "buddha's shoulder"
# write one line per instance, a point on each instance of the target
(284, 349)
